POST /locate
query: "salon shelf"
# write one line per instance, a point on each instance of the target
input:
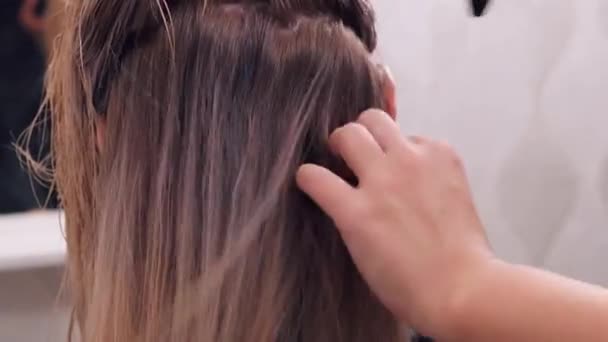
(31, 240)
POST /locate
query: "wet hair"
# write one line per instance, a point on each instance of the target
(186, 224)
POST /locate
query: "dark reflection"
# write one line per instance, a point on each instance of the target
(418, 338)
(22, 66)
(603, 186)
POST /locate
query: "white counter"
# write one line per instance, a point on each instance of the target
(31, 240)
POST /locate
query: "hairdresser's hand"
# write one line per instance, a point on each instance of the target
(29, 19)
(410, 225)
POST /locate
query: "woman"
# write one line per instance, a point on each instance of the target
(178, 129)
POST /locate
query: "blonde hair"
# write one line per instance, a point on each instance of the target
(188, 225)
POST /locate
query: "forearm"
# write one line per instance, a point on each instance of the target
(518, 303)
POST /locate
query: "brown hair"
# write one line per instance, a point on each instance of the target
(187, 225)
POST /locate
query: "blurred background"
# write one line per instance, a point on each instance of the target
(31, 244)
(22, 64)
(519, 92)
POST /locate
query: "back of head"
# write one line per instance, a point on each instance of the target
(186, 225)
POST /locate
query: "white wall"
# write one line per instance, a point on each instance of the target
(522, 94)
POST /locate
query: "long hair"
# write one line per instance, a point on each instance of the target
(186, 224)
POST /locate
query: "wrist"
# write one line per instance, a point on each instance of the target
(462, 313)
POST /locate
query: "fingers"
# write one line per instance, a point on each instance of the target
(382, 127)
(29, 19)
(356, 145)
(326, 189)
